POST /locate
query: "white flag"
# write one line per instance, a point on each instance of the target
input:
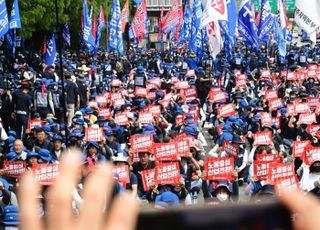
(214, 38)
(215, 10)
(307, 15)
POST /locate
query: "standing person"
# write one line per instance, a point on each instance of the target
(72, 97)
(56, 99)
(43, 101)
(6, 108)
(22, 103)
(83, 90)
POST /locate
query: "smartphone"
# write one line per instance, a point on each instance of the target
(262, 216)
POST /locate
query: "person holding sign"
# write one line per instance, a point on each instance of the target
(92, 153)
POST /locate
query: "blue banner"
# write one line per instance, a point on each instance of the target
(185, 32)
(246, 25)
(88, 39)
(196, 36)
(232, 19)
(50, 55)
(101, 25)
(115, 28)
(266, 21)
(4, 25)
(228, 39)
(66, 35)
(15, 21)
(10, 39)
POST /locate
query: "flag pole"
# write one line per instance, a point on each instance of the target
(61, 71)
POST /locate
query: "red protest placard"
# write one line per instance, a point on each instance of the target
(312, 154)
(155, 110)
(141, 142)
(156, 81)
(280, 170)
(216, 95)
(307, 118)
(271, 94)
(167, 173)
(300, 75)
(183, 146)
(179, 120)
(164, 103)
(275, 103)
(45, 174)
(219, 168)
(230, 148)
(141, 92)
(116, 96)
(182, 85)
(165, 151)
(190, 92)
(147, 178)
(151, 95)
(102, 100)
(263, 138)
(291, 76)
(261, 169)
(302, 107)
(313, 101)
(14, 169)
(313, 129)
(121, 172)
(267, 157)
(105, 112)
(288, 183)
(299, 148)
(94, 134)
(265, 74)
(266, 119)
(241, 81)
(290, 110)
(121, 119)
(33, 123)
(119, 102)
(124, 92)
(226, 110)
(145, 118)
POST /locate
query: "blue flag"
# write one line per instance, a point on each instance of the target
(115, 28)
(196, 36)
(15, 21)
(266, 21)
(101, 25)
(4, 25)
(66, 35)
(247, 26)
(88, 39)
(185, 32)
(50, 55)
(10, 39)
(228, 39)
(232, 19)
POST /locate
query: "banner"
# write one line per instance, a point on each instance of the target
(312, 155)
(214, 10)
(267, 157)
(307, 118)
(34, 123)
(271, 94)
(230, 148)
(66, 35)
(140, 143)
(261, 169)
(266, 119)
(14, 20)
(51, 51)
(302, 107)
(185, 32)
(246, 25)
(167, 173)
(148, 177)
(138, 26)
(307, 15)
(45, 174)
(4, 25)
(171, 19)
(195, 43)
(266, 21)
(214, 39)
(226, 110)
(101, 25)
(121, 119)
(145, 118)
(183, 146)
(279, 170)
(274, 104)
(115, 28)
(165, 151)
(263, 138)
(290, 183)
(121, 172)
(140, 92)
(155, 110)
(88, 39)
(14, 169)
(232, 18)
(94, 134)
(125, 15)
(216, 95)
(218, 168)
(105, 112)
(281, 30)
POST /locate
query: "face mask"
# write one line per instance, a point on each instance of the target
(223, 197)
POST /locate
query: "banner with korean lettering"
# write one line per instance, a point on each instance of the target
(267, 157)
(165, 151)
(261, 169)
(45, 174)
(34, 123)
(219, 168)
(105, 112)
(183, 146)
(312, 155)
(230, 148)
(139, 24)
(271, 94)
(14, 169)
(141, 142)
(290, 183)
(280, 170)
(121, 172)
(299, 148)
(262, 138)
(155, 110)
(226, 110)
(266, 119)
(216, 95)
(140, 92)
(307, 118)
(302, 107)
(148, 177)
(145, 118)
(275, 103)
(307, 16)
(167, 173)
(94, 134)
(121, 119)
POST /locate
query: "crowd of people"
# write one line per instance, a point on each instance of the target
(151, 112)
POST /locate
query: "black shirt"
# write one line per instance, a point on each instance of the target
(137, 167)
(82, 88)
(71, 91)
(22, 102)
